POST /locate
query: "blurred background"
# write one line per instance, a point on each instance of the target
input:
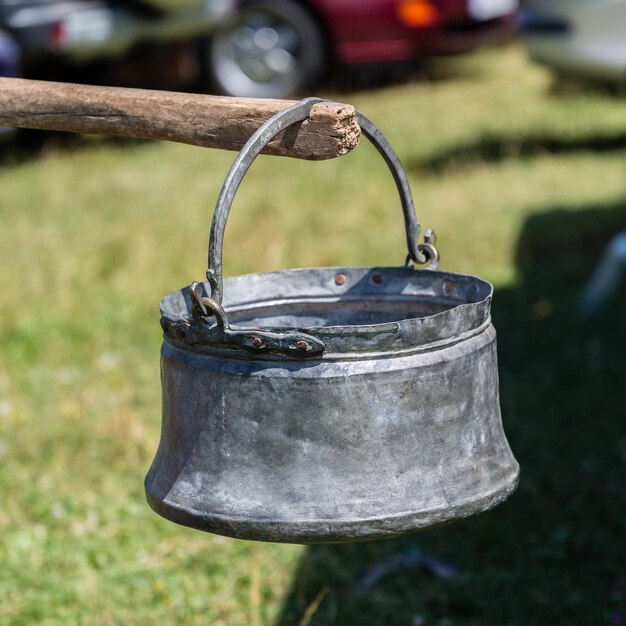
(511, 123)
(271, 48)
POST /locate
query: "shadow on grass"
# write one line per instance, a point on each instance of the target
(566, 86)
(30, 145)
(347, 80)
(370, 77)
(554, 553)
(494, 148)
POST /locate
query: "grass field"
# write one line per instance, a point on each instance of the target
(524, 186)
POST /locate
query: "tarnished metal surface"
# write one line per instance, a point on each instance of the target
(395, 428)
(329, 404)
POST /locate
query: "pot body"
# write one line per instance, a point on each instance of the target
(385, 439)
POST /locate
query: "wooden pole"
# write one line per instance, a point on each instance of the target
(199, 120)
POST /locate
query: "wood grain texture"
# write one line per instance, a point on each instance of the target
(199, 120)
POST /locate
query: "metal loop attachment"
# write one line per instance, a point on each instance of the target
(202, 331)
(203, 307)
(427, 252)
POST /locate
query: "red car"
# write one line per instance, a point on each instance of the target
(273, 48)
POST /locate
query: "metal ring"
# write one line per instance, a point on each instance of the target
(255, 145)
(203, 306)
(430, 254)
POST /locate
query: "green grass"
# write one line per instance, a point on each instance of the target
(522, 185)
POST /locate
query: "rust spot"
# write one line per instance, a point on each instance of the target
(448, 286)
(302, 345)
(377, 279)
(340, 279)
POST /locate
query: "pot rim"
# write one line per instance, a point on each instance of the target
(463, 302)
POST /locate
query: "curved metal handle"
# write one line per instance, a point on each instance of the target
(298, 113)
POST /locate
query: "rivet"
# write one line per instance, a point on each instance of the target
(377, 279)
(257, 342)
(302, 345)
(448, 286)
(340, 279)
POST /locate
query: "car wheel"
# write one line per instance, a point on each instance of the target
(270, 49)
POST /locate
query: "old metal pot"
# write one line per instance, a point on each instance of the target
(328, 404)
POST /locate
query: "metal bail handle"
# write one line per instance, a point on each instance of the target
(418, 253)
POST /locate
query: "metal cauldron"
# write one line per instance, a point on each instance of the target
(328, 404)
